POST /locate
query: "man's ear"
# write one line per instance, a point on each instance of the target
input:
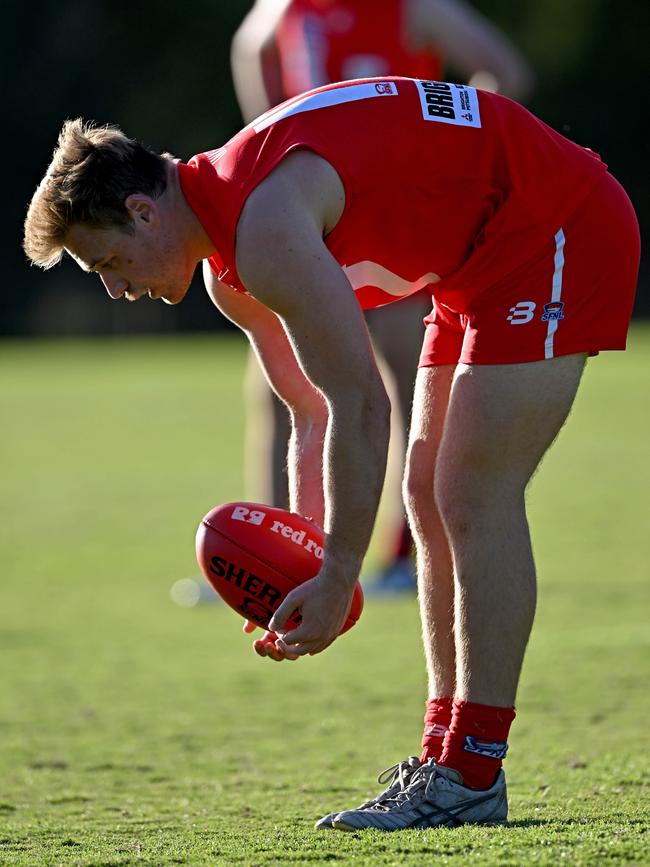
(142, 209)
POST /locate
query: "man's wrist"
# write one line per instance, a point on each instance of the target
(341, 568)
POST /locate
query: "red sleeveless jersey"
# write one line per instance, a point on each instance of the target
(322, 41)
(445, 186)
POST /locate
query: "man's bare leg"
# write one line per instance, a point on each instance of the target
(434, 561)
(489, 437)
(500, 421)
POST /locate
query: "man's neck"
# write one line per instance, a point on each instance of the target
(193, 235)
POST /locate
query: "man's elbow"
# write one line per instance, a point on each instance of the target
(520, 82)
(308, 409)
(514, 80)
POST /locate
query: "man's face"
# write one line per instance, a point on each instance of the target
(147, 262)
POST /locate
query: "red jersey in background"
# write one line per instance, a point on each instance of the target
(324, 41)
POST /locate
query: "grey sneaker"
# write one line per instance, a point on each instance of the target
(435, 797)
(396, 779)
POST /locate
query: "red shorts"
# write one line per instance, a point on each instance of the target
(574, 295)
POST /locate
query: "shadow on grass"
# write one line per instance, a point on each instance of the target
(532, 823)
(610, 819)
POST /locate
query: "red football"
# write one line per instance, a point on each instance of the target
(253, 555)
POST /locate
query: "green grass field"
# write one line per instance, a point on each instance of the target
(133, 731)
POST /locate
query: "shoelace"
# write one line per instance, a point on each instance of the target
(416, 788)
(391, 777)
(399, 771)
(403, 772)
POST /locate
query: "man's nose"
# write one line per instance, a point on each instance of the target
(116, 286)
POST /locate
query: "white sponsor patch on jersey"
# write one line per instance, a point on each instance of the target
(449, 103)
(324, 99)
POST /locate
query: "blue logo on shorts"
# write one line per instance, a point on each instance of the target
(490, 749)
(553, 310)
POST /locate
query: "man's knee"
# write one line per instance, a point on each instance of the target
(471, 499)
(418, 484)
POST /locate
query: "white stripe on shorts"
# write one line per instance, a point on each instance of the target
(556, 291)
(336, 96)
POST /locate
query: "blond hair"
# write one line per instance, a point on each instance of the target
(93, 170)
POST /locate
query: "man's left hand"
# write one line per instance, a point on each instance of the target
(324, 605)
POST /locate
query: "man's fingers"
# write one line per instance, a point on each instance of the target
(287, 654)
(303, 649)
(267, 644)
(303, 636)
(296, 636)
(267, 647)
(284, 611)
(259, 647)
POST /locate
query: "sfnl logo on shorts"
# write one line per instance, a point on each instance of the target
(449, 103)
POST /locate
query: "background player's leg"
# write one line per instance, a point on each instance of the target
(434, 562)
(267, 432)
(397, 331)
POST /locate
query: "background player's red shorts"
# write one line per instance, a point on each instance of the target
(574, 295)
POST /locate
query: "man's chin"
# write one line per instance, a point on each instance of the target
(172, 298)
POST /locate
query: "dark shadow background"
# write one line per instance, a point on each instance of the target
(161, 71)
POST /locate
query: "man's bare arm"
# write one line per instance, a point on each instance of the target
(472, 45)
(254, 61)
(283, 261)
(305, 403)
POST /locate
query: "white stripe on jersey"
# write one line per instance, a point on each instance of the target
(326, 98)
(369, 273)
(556, 291)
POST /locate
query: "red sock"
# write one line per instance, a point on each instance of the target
(436, 724)
(403, 543)
(477, 741)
